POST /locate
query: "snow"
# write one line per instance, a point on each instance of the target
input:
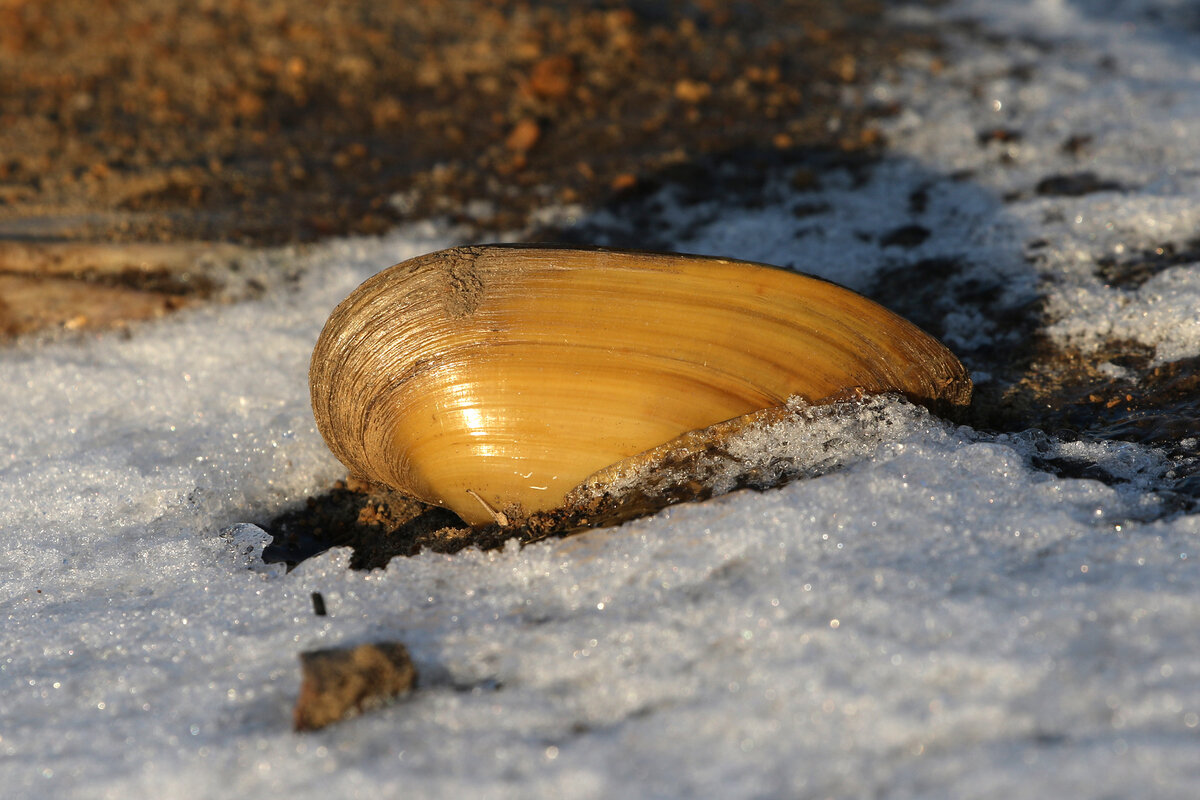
(930, 615)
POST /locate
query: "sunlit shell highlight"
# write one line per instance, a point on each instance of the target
(493, 380)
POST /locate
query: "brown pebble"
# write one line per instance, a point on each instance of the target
(692, 91)
(846, 68)
(341, 682)
(623, 181)
(249, 104)
(551, 77)
(523, 136)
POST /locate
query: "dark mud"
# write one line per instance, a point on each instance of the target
(266, 123)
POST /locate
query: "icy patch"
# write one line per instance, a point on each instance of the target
(1084, 119)
(1164, 313)
(765, 449)
(110, 443)
(247, 541)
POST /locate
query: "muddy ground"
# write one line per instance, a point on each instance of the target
(262, 123)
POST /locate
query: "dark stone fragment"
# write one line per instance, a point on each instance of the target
(1077, 143)
(1075, 185)
(342, 682)
(1002, 135)
(906, 236)
(918, 201)
(802, 210)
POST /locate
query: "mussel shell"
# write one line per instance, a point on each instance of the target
(492, 380)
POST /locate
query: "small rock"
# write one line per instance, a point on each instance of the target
(523, 136)
(846, 68)
(338, 683)
(1076, 185)
(690, 91)
(1003, 135)
(906, 236)
(1077, 143)
(623, 182)
(551, 78)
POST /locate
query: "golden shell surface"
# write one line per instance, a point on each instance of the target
(493, 380)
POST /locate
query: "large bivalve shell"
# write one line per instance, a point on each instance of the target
(493, 380)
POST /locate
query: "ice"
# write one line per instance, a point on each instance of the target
(247, 542)
(1163, 313)
(803, 440)
(933, 613)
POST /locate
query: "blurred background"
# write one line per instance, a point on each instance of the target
(273, 121)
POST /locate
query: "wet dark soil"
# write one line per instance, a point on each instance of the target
(267, 122)
(256, 122)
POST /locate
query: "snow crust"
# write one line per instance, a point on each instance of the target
(937, 617)
(1100, 88)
